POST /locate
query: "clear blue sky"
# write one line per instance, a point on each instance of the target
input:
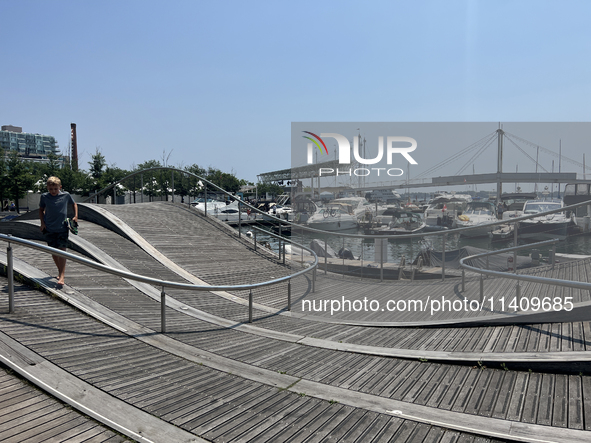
(219, 83)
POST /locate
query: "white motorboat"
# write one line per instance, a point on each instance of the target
(478, 215)
(333, 217)
(383, 215)
(546, 226)
(513, 204)
(398, 222)
(279, 211)
(228, 213)
(212, 204)
(444, 209)
(360, 206)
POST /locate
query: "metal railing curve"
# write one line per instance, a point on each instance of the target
(518, 277)
(150, 280)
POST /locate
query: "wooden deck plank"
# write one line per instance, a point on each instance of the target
(560, 401)
(532, 399)
(546, 398)
(518, 397)
(575, 402)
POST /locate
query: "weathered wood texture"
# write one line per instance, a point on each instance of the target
(29, 414)
(209, 403)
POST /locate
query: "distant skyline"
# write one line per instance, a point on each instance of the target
(220, 83)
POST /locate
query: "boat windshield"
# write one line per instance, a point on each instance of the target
(449, 206)
(478, 211)
(534, 208)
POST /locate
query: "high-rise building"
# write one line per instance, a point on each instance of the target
(30, 146)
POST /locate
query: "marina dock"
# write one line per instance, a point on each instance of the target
(298, 375)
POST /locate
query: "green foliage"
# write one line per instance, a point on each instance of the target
(19, 177)
(228, 182)
(151, 185)
(113, 174)
(272, 189)
(97, 165)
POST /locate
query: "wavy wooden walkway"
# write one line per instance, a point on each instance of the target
(552, 399)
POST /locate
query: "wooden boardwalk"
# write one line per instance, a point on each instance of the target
(29, 414)
(152, 377)
(215, 405)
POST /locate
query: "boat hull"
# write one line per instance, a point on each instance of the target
(543, 231)
(333, 225)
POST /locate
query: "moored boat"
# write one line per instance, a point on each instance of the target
(478, 215)
(333, 217)
(546, 226)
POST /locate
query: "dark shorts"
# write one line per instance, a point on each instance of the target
(57, 240)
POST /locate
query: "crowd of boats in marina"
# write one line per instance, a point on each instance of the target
(387, 213)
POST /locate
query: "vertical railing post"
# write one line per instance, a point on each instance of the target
(325, 256)
(239, 220)
(172, 182)
(518, 293)
(250, 306)
(515, 244)
(553, 255)
(280, 244)
(481, 288)
(343, 256)
(255, 240)
(301, 243)
(142, 187)
(361, 270)
(443, 259)
(9, 270)
(205, 191)
(383, 242)
(114, 194)
(163, 311)
(289, 294)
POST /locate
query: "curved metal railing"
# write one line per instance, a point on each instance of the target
(518, 277)
(150, 280)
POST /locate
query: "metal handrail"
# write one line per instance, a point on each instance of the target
(519, 277)
(154, 281)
